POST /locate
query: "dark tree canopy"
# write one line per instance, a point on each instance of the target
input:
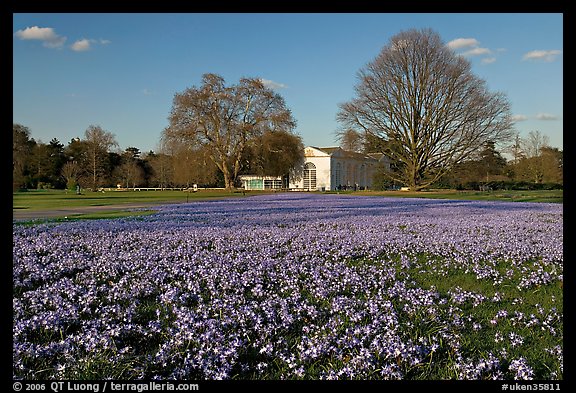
(423, 99)
(275, 153)
(22, 147)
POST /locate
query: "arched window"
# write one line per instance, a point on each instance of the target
(309, 176)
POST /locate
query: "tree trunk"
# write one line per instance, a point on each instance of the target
(228, 181)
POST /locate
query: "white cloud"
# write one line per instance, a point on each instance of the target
(471, 47)
(463, 43)
(519, 117)
(488, 60)
(477, 51)
(81, 45)
(544, 55)
(273, 85)
(86, 44)
(46, 34)
(146, 92)
(52, 40)
(546, 116)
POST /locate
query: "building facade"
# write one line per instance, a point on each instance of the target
(332, 168)
(325, 169)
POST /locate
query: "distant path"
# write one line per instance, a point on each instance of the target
(24, 214)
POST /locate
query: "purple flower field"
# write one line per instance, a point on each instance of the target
(294, 286)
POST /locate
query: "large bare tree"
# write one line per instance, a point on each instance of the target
(423, 99)
(223, 119)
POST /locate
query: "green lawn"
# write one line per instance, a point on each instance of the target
(556, 196)
(52, 199)
(47, 200)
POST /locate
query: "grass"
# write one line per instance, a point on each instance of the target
(46, 200)
(429, 273)
(108, 214)
(553, 196)
(53, 199)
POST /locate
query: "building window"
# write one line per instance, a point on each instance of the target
(338, 176)
(272, 184)
(309, 176)
(348, 175)
(254, 184)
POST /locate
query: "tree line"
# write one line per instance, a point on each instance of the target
(417, 102)
(95, 161)
(532, 164)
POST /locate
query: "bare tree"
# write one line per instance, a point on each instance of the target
(71, 173)
(188, 164)
(130, 174)
(351, 140)
(424, 100)
(192, 165)
(224, 118)
(130, 171)
(161, 165)
(532, 145)
(552, 165)
(532, 167)
(534, 160)
(98, 143)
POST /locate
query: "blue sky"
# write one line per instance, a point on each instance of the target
(120, 71)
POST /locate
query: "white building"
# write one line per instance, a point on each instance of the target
(332, 168)
(325, 169)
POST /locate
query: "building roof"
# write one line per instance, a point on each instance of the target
(345, 153)
(376, 156)
(328, 150)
